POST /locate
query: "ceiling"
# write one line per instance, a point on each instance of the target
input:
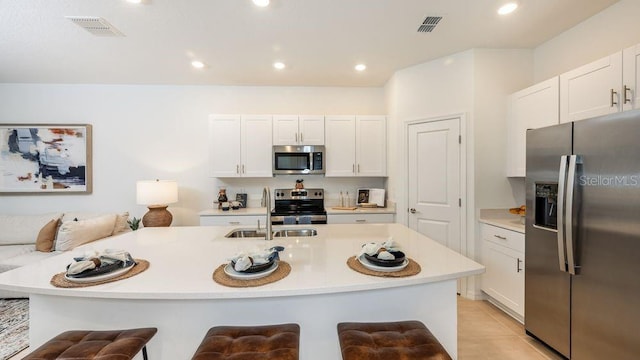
(320, 41)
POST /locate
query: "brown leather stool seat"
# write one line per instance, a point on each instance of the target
(403, 340)
(277, 342)
(95, 345)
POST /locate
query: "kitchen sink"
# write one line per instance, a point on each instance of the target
(245, 233)
(295, 232)
(253, 233)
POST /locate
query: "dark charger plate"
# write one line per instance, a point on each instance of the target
(105, 269)
(388, 263)
(255, 268)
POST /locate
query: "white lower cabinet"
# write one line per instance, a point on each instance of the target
(360, 218)
(503, 257)
(211, 220)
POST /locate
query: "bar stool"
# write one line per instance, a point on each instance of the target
(268, 342)
(95, 345)
(407, 340)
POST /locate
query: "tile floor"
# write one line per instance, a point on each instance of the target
(484, 332)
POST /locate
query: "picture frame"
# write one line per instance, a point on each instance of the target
(45, 159)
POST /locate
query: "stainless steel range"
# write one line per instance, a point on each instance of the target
(299, 206)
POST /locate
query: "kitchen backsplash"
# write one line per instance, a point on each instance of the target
(332, 186)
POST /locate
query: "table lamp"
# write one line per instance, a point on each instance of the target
(156, 194)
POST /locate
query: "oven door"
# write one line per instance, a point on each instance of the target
(291, 219)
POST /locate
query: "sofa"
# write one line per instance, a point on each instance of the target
(26, 239)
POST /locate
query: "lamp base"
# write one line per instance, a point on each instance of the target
(158, 216)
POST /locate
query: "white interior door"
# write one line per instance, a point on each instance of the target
(434, 181)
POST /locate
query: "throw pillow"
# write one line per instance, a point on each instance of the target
(47, 236)
(75, 233)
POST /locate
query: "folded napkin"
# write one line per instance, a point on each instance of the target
(245, 259)
(94, 259)
(383, 249)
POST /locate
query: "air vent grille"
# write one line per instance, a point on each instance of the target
(429, 23)
(95, 25)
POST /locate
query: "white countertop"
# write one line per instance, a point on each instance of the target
(502, 218)
(183, 260)
(252, 211)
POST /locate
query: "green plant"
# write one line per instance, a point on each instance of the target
(134, 223)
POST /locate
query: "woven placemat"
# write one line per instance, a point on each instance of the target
(412, 268)
(58, 280)
(222, 278)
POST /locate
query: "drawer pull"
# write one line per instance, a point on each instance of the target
(361, 220)
(234, 222)
(500, 237)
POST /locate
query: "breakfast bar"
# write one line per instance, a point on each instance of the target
(178, 295)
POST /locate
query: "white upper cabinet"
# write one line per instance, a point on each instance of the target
(531, 108)
(356, 146)
(631, 78)
(591, 90)
(298, 130)
(240, 146)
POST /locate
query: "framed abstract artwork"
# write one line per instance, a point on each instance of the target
(45, 159)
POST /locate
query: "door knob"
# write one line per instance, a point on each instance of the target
(412, 210)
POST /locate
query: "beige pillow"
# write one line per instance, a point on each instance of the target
(120, 227)
(23, 229)
(75, 233)
(47, 236)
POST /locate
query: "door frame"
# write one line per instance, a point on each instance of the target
(466, 211)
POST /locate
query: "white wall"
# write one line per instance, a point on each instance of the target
(148, 132)
(435, 88)
(609, 31)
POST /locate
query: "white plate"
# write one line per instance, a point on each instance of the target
(106, 276)
(249, 276)
(374, 267)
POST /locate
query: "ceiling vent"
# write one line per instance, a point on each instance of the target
(429, 23)
(95, 25)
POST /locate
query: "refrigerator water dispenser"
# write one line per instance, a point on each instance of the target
(546, 214)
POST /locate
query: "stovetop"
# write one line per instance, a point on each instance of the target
(299, 202)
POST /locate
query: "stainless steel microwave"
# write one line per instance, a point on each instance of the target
(298, 160)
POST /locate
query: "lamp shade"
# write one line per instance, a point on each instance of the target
(156, 192)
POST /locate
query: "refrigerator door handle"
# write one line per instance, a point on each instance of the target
(571, 182)
(562, 179)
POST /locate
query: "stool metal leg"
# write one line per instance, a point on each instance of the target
(144, 352)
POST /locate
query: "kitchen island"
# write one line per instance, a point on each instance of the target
(178, 295)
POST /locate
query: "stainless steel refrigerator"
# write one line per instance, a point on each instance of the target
(582, 239)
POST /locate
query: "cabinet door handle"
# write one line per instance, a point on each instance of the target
(353, 168)
(626, 90)
(243, 168)
(296, 137)
(237, 169)
(518, 262)
(301, 138)
(358, 168)
(613, 94)
(500, 237)
(361, 220)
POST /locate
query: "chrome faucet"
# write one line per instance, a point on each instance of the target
(266, 202)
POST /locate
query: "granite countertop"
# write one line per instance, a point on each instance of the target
(502, 218)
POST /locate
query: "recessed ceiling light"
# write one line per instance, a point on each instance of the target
(197, 64)
(279, 65)
(361, 67)
(507, 8)
(261, 3)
